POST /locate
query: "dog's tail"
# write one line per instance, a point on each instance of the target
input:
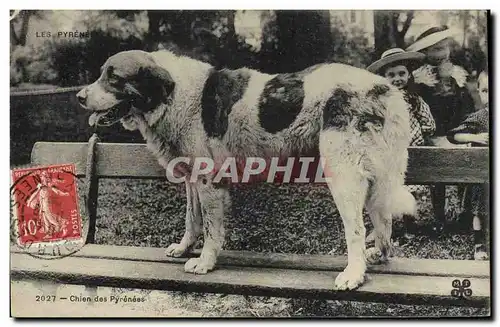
(393, 140)
(402, 202)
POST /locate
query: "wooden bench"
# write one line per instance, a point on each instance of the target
(402, 280)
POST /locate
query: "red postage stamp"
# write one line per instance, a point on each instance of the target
(45, 204)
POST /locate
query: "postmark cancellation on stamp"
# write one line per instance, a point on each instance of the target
(45, 205)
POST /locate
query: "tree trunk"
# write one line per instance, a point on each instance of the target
(465, 18)
(14, 40)
(400, 35)
(25, 14)
(228, 49)
(304, 39)
(20, 39)
(181, 28)
(153, 36)
(384, 32)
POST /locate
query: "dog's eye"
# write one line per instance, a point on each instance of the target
(116, 79)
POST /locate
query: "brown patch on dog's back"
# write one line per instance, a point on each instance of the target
(376, 114)
(336, 112)
(377, 90)
(222, 90)
(365, 109)
(282, 100)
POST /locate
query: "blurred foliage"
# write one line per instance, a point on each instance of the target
(470, 25)
(472, 53)
(390, 28)
(224, 38)
(272, 41)
(76, 61)
(472, 58)
(350, 46)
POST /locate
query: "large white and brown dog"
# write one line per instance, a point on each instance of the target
(186, 108)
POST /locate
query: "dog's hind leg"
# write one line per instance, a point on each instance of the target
(386, 157)
(193, 223)
(215, 206)
(386, 198)
(348, 185)
(380, 214)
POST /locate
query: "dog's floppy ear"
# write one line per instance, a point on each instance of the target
(154, 86)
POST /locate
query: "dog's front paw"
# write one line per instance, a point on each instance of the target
(374, 256)
(198, 266)
(176, 250)
(350, 278)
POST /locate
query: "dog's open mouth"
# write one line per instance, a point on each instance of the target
(111, 116)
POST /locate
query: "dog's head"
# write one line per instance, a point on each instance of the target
(130, 80)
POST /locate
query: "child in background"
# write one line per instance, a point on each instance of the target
(475, 130)
(442, 85)
(396, 65)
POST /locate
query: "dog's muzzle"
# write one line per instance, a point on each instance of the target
(111, 116)
(105, 117)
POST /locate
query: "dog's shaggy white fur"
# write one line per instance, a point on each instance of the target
(184, 107)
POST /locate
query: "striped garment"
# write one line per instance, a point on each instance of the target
(421, 121)
(422, 126)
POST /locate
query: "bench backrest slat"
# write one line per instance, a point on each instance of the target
(426, 165)
(114, 160)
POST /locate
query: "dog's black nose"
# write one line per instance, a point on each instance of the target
(82, 97)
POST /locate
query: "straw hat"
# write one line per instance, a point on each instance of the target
(395, 55)
(430, 37)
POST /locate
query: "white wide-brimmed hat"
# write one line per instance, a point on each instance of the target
(396, 55)
(430, 37)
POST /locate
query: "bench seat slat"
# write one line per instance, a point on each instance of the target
(428, 290)
(423, 267)
(405, 281)
(427, 165)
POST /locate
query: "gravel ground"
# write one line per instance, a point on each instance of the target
(304, 221)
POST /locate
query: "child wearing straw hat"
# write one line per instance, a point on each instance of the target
(396, 65)
(442, 85)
